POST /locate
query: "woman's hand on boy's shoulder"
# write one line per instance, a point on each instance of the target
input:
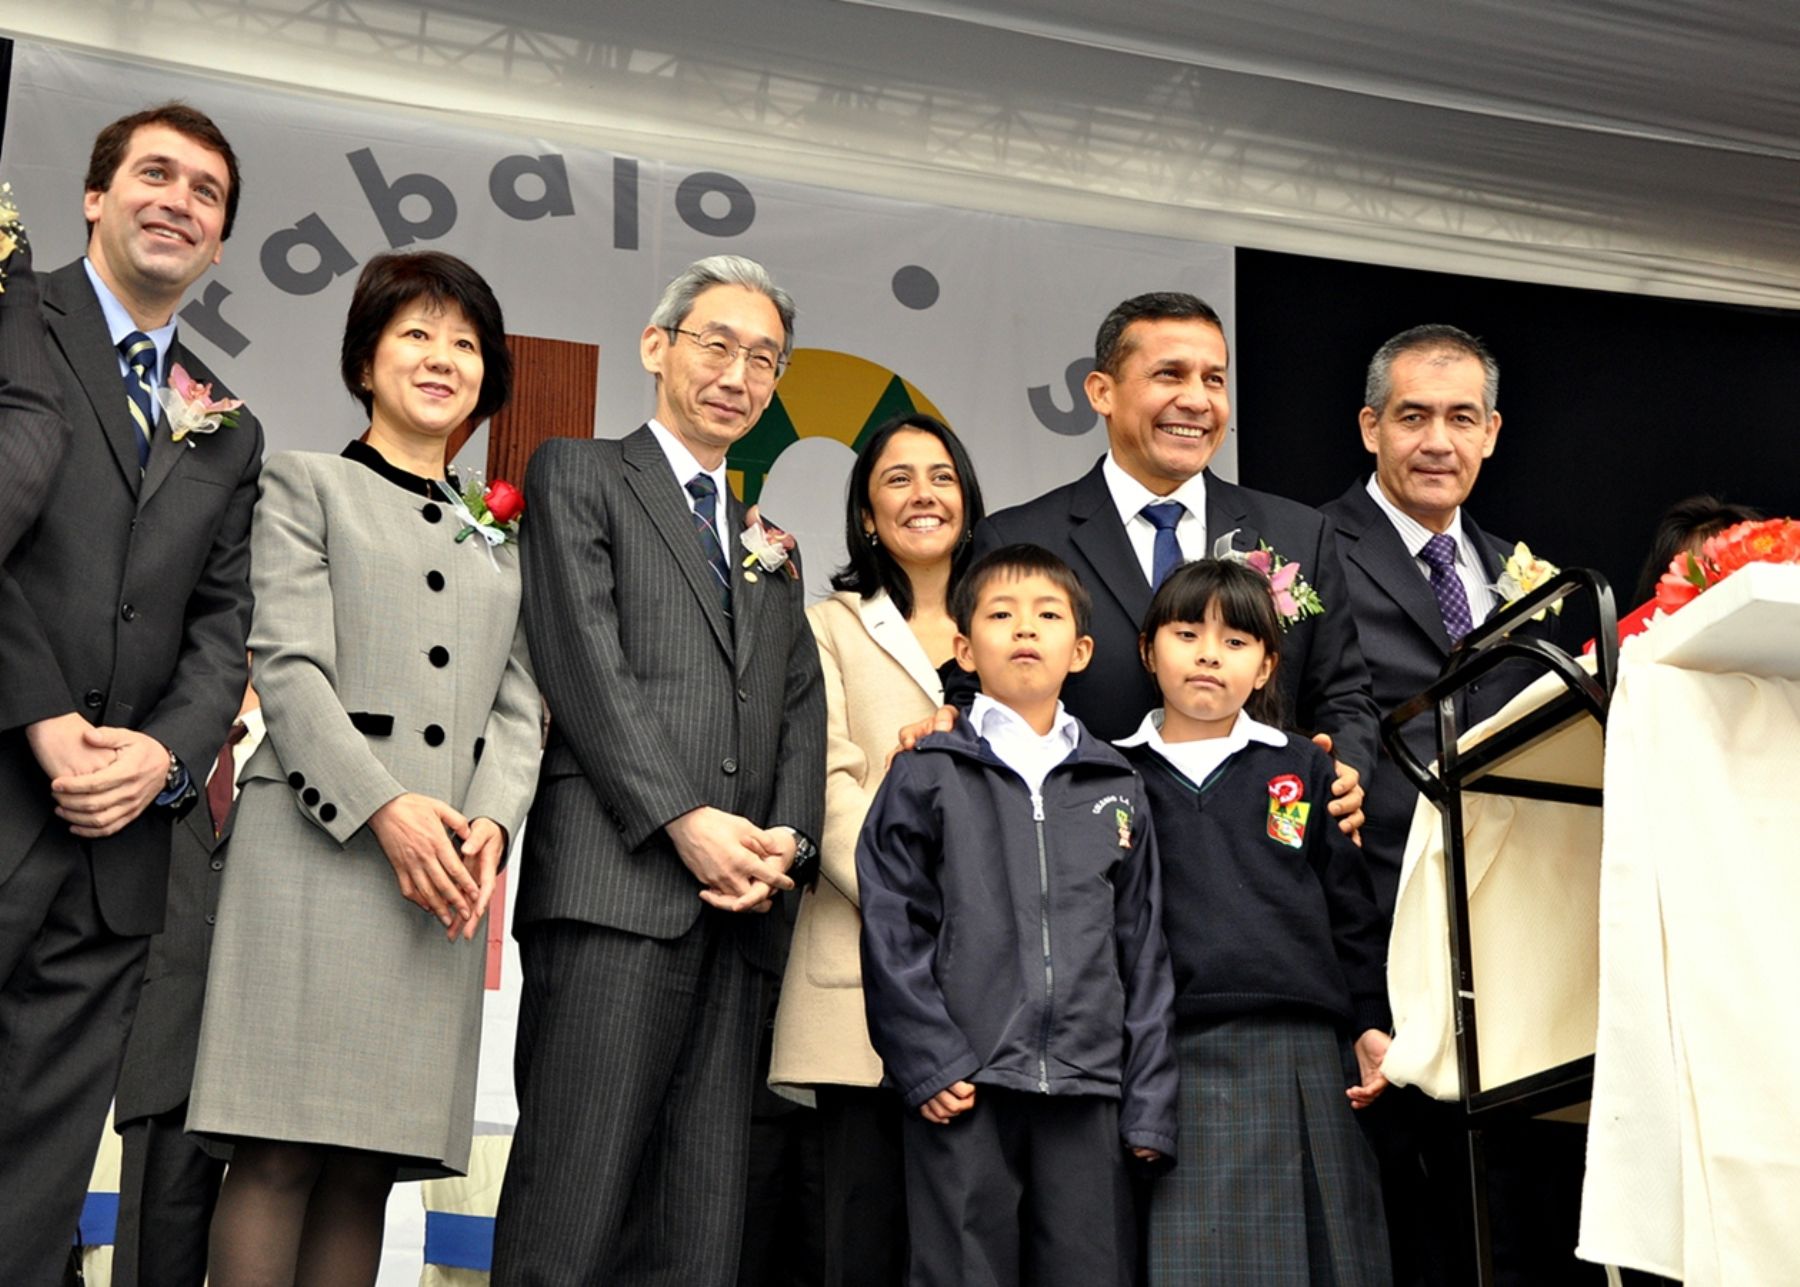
(942, 721)
(1346, 792)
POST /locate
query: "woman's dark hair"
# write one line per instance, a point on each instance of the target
(389, 283)
(1245, 603)
(871, 568)
(1683, 524)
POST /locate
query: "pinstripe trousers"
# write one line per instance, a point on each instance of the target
(635, 1067)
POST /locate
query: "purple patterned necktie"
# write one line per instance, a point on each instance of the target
(1453, 600)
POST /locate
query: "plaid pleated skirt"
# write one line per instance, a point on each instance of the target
(1275, 1186)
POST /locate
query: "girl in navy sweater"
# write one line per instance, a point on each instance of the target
(1278, 952)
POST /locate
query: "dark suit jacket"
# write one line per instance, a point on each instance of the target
(128, 601)
(33, 434)
(1403, 637)
(159, 1057)
(1321, 674)
(659, 703)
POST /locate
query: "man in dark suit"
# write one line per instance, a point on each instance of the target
(1421, 574)
(682, 790)
(168, 1184)
(1151, 503)
(126, 607)
(33, 434)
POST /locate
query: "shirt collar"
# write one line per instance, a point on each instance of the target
(1130, 496)
(1243, 732)
(990, 717)
(682, 461)
(119, 323)
(1413, 533)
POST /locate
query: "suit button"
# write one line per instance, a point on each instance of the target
(211, 919)
(310, 796)
(440, 656)
(431, 513)
(296, 780)
(218, 864)
(327, 812)
(743, 694)
(434, 735)
(728, 766)
(128, 612)
(435, 579)
(94, 698)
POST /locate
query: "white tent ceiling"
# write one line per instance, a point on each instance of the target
(1638, 145)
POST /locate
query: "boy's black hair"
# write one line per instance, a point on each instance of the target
(1245, 603)
(1019, 561)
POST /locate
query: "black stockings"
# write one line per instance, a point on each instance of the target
(301, 1215)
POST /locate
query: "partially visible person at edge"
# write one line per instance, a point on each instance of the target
(33, 433)
(1683, 528)
(342, 1026)
(1151, 503)
(886, 644)
(125, 606)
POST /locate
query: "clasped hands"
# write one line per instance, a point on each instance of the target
(100, 778)
(740, 866)
(452, 882)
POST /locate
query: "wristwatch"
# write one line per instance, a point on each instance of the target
(174, 774)
(806, 854)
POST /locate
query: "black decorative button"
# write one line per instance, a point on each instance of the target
(311, 796)
(440, 656)
(128, 612)
(431, 512)
(218, 864)
(327, 812)
(434, 735)
(94, 698)
(434, 579)
(296, 780)
(728, 765)
(480, 746)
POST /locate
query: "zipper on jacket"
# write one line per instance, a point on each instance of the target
(1037, 817)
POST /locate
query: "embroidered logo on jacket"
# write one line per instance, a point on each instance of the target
(1287, 812)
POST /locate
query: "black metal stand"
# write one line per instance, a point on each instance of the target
(1481, 768)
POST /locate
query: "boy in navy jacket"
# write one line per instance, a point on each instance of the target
(1014, 970)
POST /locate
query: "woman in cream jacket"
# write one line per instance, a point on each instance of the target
(885, 646)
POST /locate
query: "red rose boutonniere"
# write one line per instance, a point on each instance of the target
(488, 510)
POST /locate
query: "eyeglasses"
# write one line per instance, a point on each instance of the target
(718, 351)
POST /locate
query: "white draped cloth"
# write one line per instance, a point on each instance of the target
(1694, 1139)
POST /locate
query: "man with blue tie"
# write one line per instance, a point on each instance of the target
(126, 606)
(1160, 381)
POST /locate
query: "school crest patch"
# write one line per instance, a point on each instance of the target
(1123, 818)
(1287, 811)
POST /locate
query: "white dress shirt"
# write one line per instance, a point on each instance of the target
(1130, 496)
(1021, 747)
(1414, 534)
(1200, 759)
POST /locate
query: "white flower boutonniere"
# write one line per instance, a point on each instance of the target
(768, 546)
(1523, 573)
(192, 409)
(12, 230)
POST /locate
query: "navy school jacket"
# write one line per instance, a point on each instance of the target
(1016, 942)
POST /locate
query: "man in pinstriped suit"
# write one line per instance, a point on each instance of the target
(681, 795)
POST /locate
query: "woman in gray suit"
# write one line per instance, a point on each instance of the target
(343, 1010)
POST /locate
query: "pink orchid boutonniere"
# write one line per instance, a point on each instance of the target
(1295, 599)
(192, 409)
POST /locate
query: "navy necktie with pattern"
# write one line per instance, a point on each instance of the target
(1453, 599)
(140, 386)
(704, 491)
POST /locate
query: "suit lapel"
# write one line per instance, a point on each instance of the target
(1493, 553)
(894, 637)
(745, 593)
(651, 480)
(1095, 530)
(165, 453)
(78, 328)
(1379, 552)
(1227, 514)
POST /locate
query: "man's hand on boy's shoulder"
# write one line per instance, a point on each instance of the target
(1346, 792)
(949, 1103)
(941, 722)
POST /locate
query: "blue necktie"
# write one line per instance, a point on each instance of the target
(1165, 555)
(702, 488)
(1453, 600)
(140, 384)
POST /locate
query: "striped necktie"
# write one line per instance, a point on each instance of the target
(702, 488)
(140, 385)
